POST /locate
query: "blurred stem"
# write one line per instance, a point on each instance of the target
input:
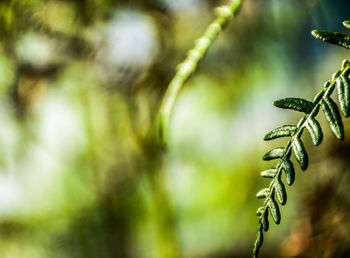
(163, 209)
(189, 65)
(91, 156)
(165, 216)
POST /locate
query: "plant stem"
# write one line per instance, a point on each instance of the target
(189, 65)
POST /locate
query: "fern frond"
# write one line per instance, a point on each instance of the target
(276, 189)
(189, 65)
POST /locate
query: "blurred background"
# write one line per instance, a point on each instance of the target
(80, 172)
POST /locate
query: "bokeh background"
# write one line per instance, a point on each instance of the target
(81, 174)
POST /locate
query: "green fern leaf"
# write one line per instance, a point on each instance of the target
(343, 86)
(288, 168)
(276, 153)
(285, 130)
(269, 173)
(343, 97)
(346, 24)
(263, 193)
(265, 221)
(333, 117)
(280, 192)
(300, 153)
(336, 38)
(297, 104)
(315, 131)
(274, 209)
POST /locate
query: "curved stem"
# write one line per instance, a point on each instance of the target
(189, 65)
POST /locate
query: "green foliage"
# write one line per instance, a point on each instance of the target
(315, 131)
(189, 65)
(297, 104)
(331, 111)
(276, 153)
(285, 130)
(344, 94)
(337, 38)
(323, 99)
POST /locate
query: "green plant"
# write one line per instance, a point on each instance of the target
(189, 65)
(276, 189)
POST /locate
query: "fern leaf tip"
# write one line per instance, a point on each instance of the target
(315, 33)
(346, 24)
(336, 38)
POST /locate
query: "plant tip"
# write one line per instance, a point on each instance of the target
(315, 33)
(346, 24)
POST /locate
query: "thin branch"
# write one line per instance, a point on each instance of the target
(189, 65)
